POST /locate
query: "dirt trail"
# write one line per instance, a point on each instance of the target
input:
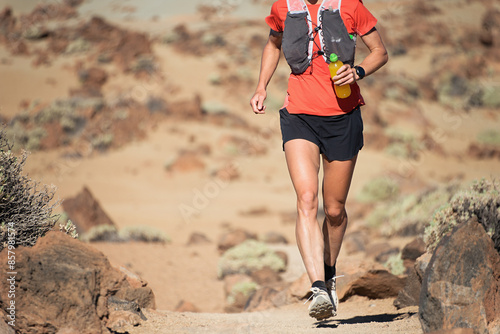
(357, 316)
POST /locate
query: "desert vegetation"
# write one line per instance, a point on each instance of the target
(26, 207)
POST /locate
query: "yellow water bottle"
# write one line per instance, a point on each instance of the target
(341, 91)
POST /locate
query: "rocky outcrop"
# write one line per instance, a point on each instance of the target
(375, 284)
(234, 238)
(461, 287)
(85, 211)
(262, 299)
(413, 250)
(64, 284)
(410, 295)
(197, 238)
(124, 47)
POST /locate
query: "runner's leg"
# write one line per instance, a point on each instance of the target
(303, 161)
(336, 182)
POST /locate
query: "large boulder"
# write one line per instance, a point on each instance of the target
(64, 284)
(86, 212)
(461, 286)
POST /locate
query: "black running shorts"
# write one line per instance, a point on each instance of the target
(338, 137)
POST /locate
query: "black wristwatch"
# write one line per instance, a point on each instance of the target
(360, 72)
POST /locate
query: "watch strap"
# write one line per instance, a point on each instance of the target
(360, 72)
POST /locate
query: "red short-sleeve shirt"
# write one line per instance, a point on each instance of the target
(312, 91)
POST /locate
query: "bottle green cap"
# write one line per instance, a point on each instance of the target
(351, 36)
(333, 57)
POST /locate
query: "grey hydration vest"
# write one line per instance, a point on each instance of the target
(298, 35)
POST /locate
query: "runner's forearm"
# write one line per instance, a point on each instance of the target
(269, 62)
(378, 53)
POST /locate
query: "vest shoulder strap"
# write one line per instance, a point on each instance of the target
(300, 5)
(295, 6)
(334, 4)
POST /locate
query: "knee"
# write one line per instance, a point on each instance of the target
(335, 213)
(307, 201)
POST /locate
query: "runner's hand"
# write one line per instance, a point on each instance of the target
(257, 102)
(345, 75)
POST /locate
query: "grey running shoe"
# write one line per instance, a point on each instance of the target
(331, 285)
(321, 306)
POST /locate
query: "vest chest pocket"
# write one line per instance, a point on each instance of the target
(295, 42)
(336, 38)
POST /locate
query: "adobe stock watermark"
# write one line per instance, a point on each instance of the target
(11, 274)
(203, 196)
(450, 121)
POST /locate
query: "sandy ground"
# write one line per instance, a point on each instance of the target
(355, 317)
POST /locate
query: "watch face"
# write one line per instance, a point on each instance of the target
(360, 72)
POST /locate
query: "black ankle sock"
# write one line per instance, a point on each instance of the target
(320, 284)
(330, 272)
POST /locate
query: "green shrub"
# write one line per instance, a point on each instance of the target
(77, 46)
(245, 288)
(103, 232)
(248, 257)
(143, 233)
(395, 264)
(491, 97)
(378, 189)
(64, 112)
(102, 142)
(403, 144)
(408, 215)
(213, 108)
(68, 228)
(481, 200)
(22, 138)
(25, 207)
(489, 137)
(215, 79)
(144, 63)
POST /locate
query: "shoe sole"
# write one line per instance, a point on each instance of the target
(335, 305)
(321, 310)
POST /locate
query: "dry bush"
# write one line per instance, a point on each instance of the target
(481, 200)
(248, 257)
(25, 206)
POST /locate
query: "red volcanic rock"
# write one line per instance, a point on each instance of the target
(477, 151)
(197, 238)
(20, 49)
(123, 46)
(265, 276)
(85, 211)
(375, 284)
(185, 306)
(410, 295)
(187, 162)
(462, 283)
(63, 284)
(91, 80)
(7, 24)
(262, 299)
(413, 250)
(233, 238)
